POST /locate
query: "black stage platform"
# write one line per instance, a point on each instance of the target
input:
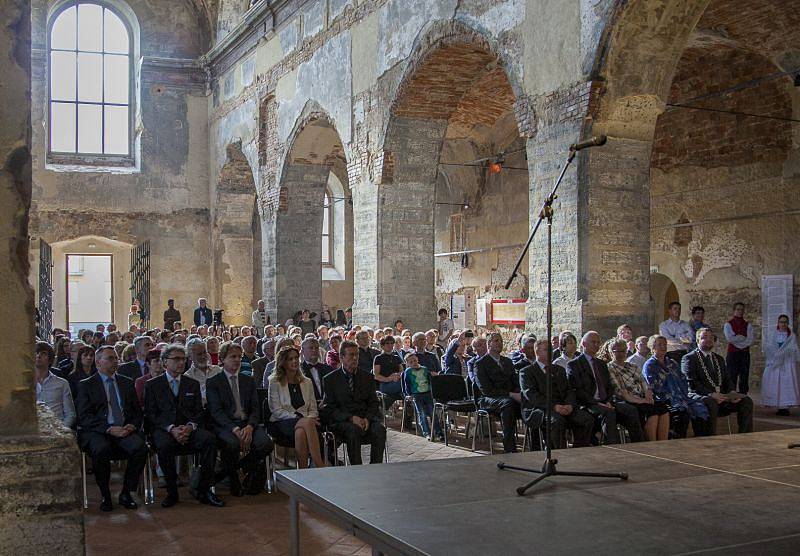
(736, 494)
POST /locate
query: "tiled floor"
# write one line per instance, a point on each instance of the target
(259, 524)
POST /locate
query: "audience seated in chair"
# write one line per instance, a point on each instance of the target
(710, 382)
(565, 413)
(351, 409)
(152, 363)
(595, 391)
(417, 384)
(110, 423)
(497, 380)
(293, 408)
(235, 415)
(201, 368)
(630, 387)
(174, 413)
(670, 386)
(52, 390)
(136, 368)
(314, 369)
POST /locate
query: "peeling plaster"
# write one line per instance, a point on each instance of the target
(326, 79)
(401, 21)
(313, 19)
(721, 250)
(338, 6)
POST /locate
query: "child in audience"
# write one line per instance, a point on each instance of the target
(417, 383)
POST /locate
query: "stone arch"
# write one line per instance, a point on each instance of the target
(315, 150)
(236, 239)
(456, 86)
(716, 56)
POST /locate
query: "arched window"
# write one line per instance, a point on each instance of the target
(327, 228)
(91, 86)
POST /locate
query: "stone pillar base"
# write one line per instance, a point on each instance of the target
(40, 486)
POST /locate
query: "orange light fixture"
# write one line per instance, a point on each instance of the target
(495, 167)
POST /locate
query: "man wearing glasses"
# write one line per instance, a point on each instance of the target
(174, 412)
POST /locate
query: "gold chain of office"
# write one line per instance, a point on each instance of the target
(714, 363)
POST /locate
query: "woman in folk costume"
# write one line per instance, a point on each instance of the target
(780, 386)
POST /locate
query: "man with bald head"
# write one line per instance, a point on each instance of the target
(594, 392)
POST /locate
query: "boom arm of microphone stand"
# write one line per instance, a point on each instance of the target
(544, 212)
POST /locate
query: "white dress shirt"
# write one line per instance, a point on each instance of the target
(741, 342)
(678, 333)
(54, 393)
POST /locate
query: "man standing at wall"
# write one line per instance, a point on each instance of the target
(740, 336)
(677, 332)
(260, 318)
(445, 328)
(171, 315)
(202, 314)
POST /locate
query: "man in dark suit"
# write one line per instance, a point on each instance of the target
(710, 382)
(527, 352)
(497, 379)
(351, 409)
(174, 413)
(594, 392)
(137, 368)
(109, 425)
(233, 406)
(366, 354)
(564, 410)
(313, 368)
(480, 347)
(202, 314)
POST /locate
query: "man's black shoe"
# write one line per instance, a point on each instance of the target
(127, 502)
(106, 505)
(211, 499)
(170, 500)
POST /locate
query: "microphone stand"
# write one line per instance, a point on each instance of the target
(549, 468)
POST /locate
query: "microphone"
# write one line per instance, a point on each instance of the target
(598, 141)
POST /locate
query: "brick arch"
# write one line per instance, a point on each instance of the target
(235, 247)
(676, 51)
(454, 78)
(293, 233)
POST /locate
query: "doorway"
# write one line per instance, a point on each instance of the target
(90, 296)
(662, 292)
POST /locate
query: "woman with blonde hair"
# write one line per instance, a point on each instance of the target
(293, 408)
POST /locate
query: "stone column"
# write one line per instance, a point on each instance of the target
(298, 240)
(405, 210)
(39, 475)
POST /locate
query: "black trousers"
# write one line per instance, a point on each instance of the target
(580, 422)
(354, 438)
(509, 411)
(742, 408)
(200, 442)
(102, 448)
(679, 423)
(623, 413)
(738, 365)
(260, 447)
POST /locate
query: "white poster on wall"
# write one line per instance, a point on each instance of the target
(458, 310)
(776, 300)
(480, 311)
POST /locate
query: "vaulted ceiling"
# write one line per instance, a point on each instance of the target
(207, 11)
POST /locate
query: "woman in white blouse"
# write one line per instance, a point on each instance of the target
(780, 387)
(294, 416)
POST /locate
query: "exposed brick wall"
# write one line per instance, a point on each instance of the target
(707, 139)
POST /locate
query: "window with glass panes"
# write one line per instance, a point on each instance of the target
(327, 227)
(90, 82)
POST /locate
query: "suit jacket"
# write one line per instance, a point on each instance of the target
(581, 376)
(322, 370)
(699, 385)
(533, 385)
(496, 381)
(198, 311)
(366, 356)
(163, 409)
(339, 403)
(222, 406)
(259, 366)
(131, 369)
(93, 404)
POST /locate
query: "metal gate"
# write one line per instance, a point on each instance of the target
(44, 312)
(140, 280)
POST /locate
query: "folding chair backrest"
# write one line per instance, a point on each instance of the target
(447, 388)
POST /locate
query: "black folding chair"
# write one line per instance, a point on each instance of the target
(450, 394)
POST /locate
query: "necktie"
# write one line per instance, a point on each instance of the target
(598, 378)
(116, 410)
(350, 380)
(174, 385)
(239, 414)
